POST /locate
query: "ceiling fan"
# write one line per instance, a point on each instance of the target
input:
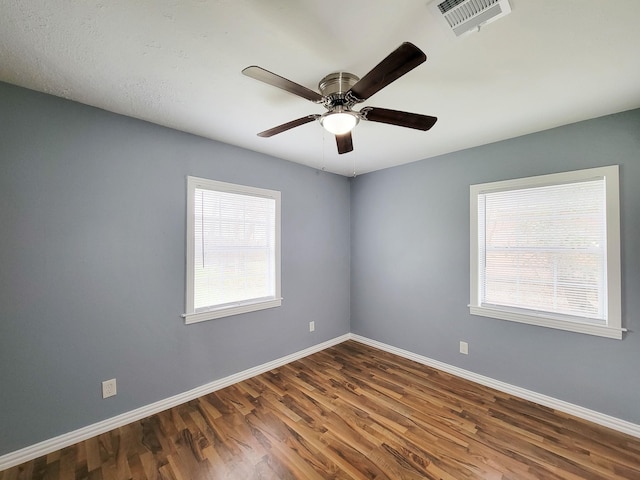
(341, 91)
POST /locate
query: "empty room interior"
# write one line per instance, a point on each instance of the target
(302, 239)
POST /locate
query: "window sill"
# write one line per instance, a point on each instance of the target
(550, 322)
(230, 310)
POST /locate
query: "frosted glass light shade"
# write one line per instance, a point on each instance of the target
(339, 123)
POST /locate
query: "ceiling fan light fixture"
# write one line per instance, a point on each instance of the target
(339, 122)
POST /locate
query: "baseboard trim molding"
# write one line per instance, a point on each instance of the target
(560, 405)
(48, 446)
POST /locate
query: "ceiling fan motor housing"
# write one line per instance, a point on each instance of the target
(337, 82)
(334, 88)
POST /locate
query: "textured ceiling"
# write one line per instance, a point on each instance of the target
(177, 63)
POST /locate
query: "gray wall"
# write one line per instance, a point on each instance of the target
(92, 219)
(92, 273)
(410, 266)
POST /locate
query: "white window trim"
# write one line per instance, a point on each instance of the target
(240, 307)
(613, 329)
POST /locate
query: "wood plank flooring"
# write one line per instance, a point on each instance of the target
(349, 412)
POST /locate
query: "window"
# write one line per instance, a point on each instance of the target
(546, 251)
(233, 249)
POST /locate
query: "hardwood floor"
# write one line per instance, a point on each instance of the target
(350, 411)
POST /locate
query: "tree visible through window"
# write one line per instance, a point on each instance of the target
(545, 250)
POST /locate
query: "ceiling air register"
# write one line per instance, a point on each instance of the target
(466, 16)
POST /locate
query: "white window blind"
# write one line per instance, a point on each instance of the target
(233, 249)
(546, 251)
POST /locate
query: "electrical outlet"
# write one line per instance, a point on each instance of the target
(109, 388)
(312, 326)
(464, 348)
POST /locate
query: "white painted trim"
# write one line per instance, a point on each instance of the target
(560, 405)
(48, 446)
(612, 279)
(548, 321)
(245, 306)
(235, 309)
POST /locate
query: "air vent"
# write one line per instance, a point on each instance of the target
(466, 16)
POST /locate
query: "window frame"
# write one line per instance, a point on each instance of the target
(245, 306)
(613, 327)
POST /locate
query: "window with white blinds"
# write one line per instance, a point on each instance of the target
(545, 250)
(233, 249)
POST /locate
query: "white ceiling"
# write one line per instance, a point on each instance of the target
(177, 63)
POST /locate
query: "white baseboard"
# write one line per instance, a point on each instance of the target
(48, 446)
(560, 405)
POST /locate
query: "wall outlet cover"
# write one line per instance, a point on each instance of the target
(109, 388)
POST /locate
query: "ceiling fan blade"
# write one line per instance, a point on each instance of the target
(288, 126)
(401, 119)
(345, 143)
(402, 60)
(266, 76)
